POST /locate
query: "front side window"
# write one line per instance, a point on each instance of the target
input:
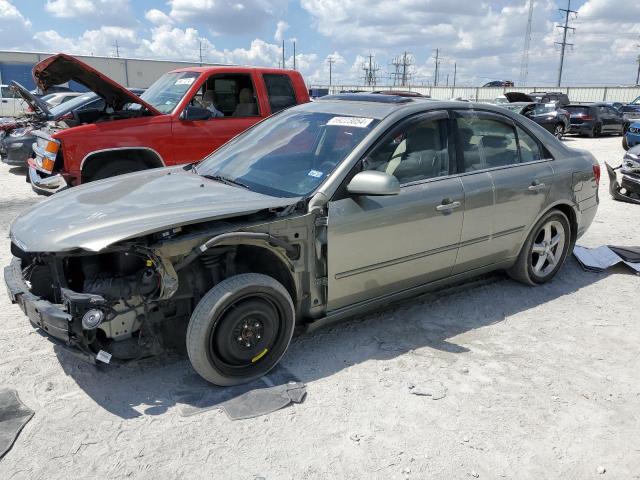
(166, 93)
(228, 95)
(487, 143)
(413, 152)
(8, 93)
(280, 92)
(288, 155)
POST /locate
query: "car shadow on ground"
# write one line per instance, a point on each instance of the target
(152, 386)
(18, 170)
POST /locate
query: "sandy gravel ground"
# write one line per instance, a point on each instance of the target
(540, 383)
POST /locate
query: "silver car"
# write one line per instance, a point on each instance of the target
(317, 213)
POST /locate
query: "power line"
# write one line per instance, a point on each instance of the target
(564, 43)
(524, 64)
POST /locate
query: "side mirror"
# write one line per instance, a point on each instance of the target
(371, 182)
(192, 113)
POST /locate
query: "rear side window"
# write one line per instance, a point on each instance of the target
(8, 93)
(529, 148)
(487, 143)
(280, 92)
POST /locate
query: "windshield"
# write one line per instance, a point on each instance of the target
(288, 155)
(636, 101)
(513, 108)
(72, 104)
(166, 92)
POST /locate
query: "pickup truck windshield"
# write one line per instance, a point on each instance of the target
(288, 155)
(166, 92)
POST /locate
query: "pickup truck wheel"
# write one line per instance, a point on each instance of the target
(544, 251)
(240, 329)
(118, 167)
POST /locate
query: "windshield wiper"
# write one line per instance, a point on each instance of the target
(225, 180)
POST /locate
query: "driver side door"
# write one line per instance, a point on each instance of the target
(380, 245)
(195, 139)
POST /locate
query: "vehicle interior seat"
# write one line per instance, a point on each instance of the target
(471, 150)
(423, 157)
(247, 106)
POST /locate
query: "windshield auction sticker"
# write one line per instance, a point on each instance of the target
(185, 81)
(357, 122)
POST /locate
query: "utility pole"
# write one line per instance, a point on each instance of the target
(455, 74)
(200, 48)
(283, 62)
(564, 43)
(117, 49)
(524, 64)
(638, 75)
(330, 61)
(294, 54)
(435, 76)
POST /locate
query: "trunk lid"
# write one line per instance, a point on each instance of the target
(61, 68)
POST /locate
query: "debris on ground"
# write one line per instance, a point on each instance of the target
(435, 390)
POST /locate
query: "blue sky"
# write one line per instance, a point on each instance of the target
(482, 38)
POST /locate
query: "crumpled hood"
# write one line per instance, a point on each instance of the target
(99, 214)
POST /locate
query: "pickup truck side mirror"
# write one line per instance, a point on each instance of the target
(192, 113)
(371, 182)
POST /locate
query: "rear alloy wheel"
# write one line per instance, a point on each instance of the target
(240, 329)
(545, 250)
(558, 132)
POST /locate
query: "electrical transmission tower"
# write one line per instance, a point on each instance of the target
(564, 44)
(524, 64)
(370, 69)
(402, 72)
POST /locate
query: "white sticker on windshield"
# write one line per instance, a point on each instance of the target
(185, 81)
(315, 173)
(357, 122)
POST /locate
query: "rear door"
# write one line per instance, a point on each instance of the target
(381, 245)
(506, 176)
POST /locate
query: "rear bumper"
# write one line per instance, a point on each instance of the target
(44, 185)
(581, 128)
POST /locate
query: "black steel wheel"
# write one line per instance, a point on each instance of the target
(240, 329)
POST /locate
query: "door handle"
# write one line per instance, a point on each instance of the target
(535, 186)
(445, 207)
(5, 101)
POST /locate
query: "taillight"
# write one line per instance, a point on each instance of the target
(596, 173)
(586, 117)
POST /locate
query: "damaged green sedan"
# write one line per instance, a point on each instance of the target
(317, 213)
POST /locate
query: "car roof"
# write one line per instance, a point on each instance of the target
(234, 69)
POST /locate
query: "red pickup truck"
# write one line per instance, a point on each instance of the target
(185, 115)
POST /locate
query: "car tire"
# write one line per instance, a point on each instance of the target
(240, 329)
(540, 259)
(595, 131)
(558, 131)
(118, 167)
(625, 143)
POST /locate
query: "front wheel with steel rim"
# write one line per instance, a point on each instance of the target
(559, 131)
(240, 329)
(544, 251)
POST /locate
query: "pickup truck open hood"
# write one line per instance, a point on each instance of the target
(38, 105)
(99, 214)
(518, 97)
(61, 68)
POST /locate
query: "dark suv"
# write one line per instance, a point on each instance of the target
(595, 119)
(559, 98)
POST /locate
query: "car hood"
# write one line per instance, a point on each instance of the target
(518, 97)
(99, 214)
(62, 68)
(39, 106)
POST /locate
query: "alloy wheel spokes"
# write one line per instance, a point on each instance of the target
(547, 250)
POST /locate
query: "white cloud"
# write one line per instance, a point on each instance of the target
(281, 27)
(158, 17)
(116, 12)
(91, 42)
(14, 27)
